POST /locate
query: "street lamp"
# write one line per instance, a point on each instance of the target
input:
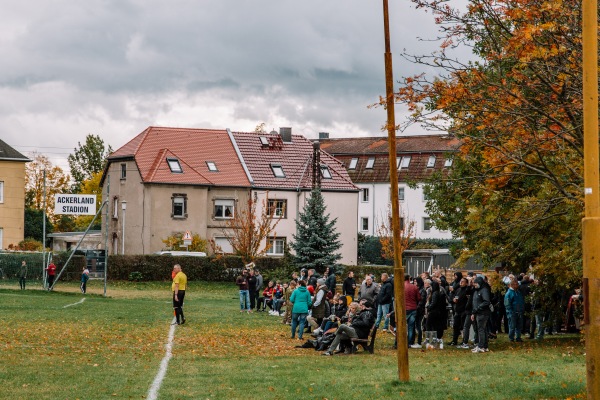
(123, 207)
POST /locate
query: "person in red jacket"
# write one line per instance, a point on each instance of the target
(411, 302)
(51, 271)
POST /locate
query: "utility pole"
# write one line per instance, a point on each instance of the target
(591, 221)
(401, 333)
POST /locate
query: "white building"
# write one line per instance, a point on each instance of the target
(367, 162)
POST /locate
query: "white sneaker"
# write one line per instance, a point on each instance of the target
(415, 346)
(475, 349)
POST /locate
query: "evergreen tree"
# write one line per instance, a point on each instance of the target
(316, 243)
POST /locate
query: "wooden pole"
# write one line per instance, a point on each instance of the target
(401, 335)
(591, 221)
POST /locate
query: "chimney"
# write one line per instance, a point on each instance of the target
(323, 135)
(286, 134)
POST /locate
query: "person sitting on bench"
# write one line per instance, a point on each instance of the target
(357, 327)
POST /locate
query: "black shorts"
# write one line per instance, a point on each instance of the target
(180, 296)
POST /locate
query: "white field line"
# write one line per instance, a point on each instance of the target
(162, 371)
(74, 304)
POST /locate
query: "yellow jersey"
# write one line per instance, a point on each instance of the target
(180, 278)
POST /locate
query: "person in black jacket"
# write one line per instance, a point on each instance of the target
(357, 327)
(384, 301)
(349, 286)
(437, 316)
(420, 309)
(459, 301)
(481, 313)
(331, 282)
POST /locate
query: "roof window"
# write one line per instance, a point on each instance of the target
(174, 165)
(278, 171)
(325, 172)
(405, 162)
(353, 163)
(211, 166)
(370, 163)
(264, 140)
(448, 162)
(431, 162)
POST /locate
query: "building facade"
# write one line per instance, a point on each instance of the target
(367, 163)
(12, 195)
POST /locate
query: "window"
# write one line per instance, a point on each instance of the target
(224, 208)
(431, 162)
(1, 246)
(401, 223)
(276, 246)
(325, 172)
(123, 171)
(115, 244)
(370, 163)
(364, 224)
(448, 162)
(426, 224)
(353, 163)
(277, 208)
(264, 141)
(115, 207)
(211, 166)
(179, 201)
(398, 159)
(174, 165)
(426, 196)
(278, 171)
(1, 192)
(223, 246)
(365, 195)
(405, 162)
(401, 193)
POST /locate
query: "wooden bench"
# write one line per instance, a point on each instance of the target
(368, 344)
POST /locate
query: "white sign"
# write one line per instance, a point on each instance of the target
(75, 204)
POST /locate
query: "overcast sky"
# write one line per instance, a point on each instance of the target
(115, 67)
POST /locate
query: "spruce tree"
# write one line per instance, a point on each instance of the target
(316, 242)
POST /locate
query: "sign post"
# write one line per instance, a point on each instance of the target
(187, 239)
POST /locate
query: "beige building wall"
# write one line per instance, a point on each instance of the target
(12, 206)
(148, 214)
(340, 205)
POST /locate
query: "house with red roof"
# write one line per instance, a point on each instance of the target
(282, 168)
(366, 159)
(168, 180)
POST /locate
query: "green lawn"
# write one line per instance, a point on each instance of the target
(112, 348)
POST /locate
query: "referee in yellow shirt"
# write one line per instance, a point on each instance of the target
(178, 287)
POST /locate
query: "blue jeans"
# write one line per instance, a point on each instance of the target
(515, 324)
(298, 320)
(539, 321)
(244, 300)
(411, 318)
(382, 311)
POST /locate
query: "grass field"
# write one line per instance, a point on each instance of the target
(112, 348)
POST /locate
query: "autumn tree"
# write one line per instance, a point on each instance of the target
(316, 242)
(514, 192)
(248, 230)
(385, 233)
(56, 182)
(91, 186)
(87, 160)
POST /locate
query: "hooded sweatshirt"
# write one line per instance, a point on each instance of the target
(301, 300)
(481, 298)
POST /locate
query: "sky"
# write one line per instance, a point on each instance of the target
(114, 67)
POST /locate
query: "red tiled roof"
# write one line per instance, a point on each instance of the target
(379, 144)
(419, 148)
(294, 157)
(193, 148)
